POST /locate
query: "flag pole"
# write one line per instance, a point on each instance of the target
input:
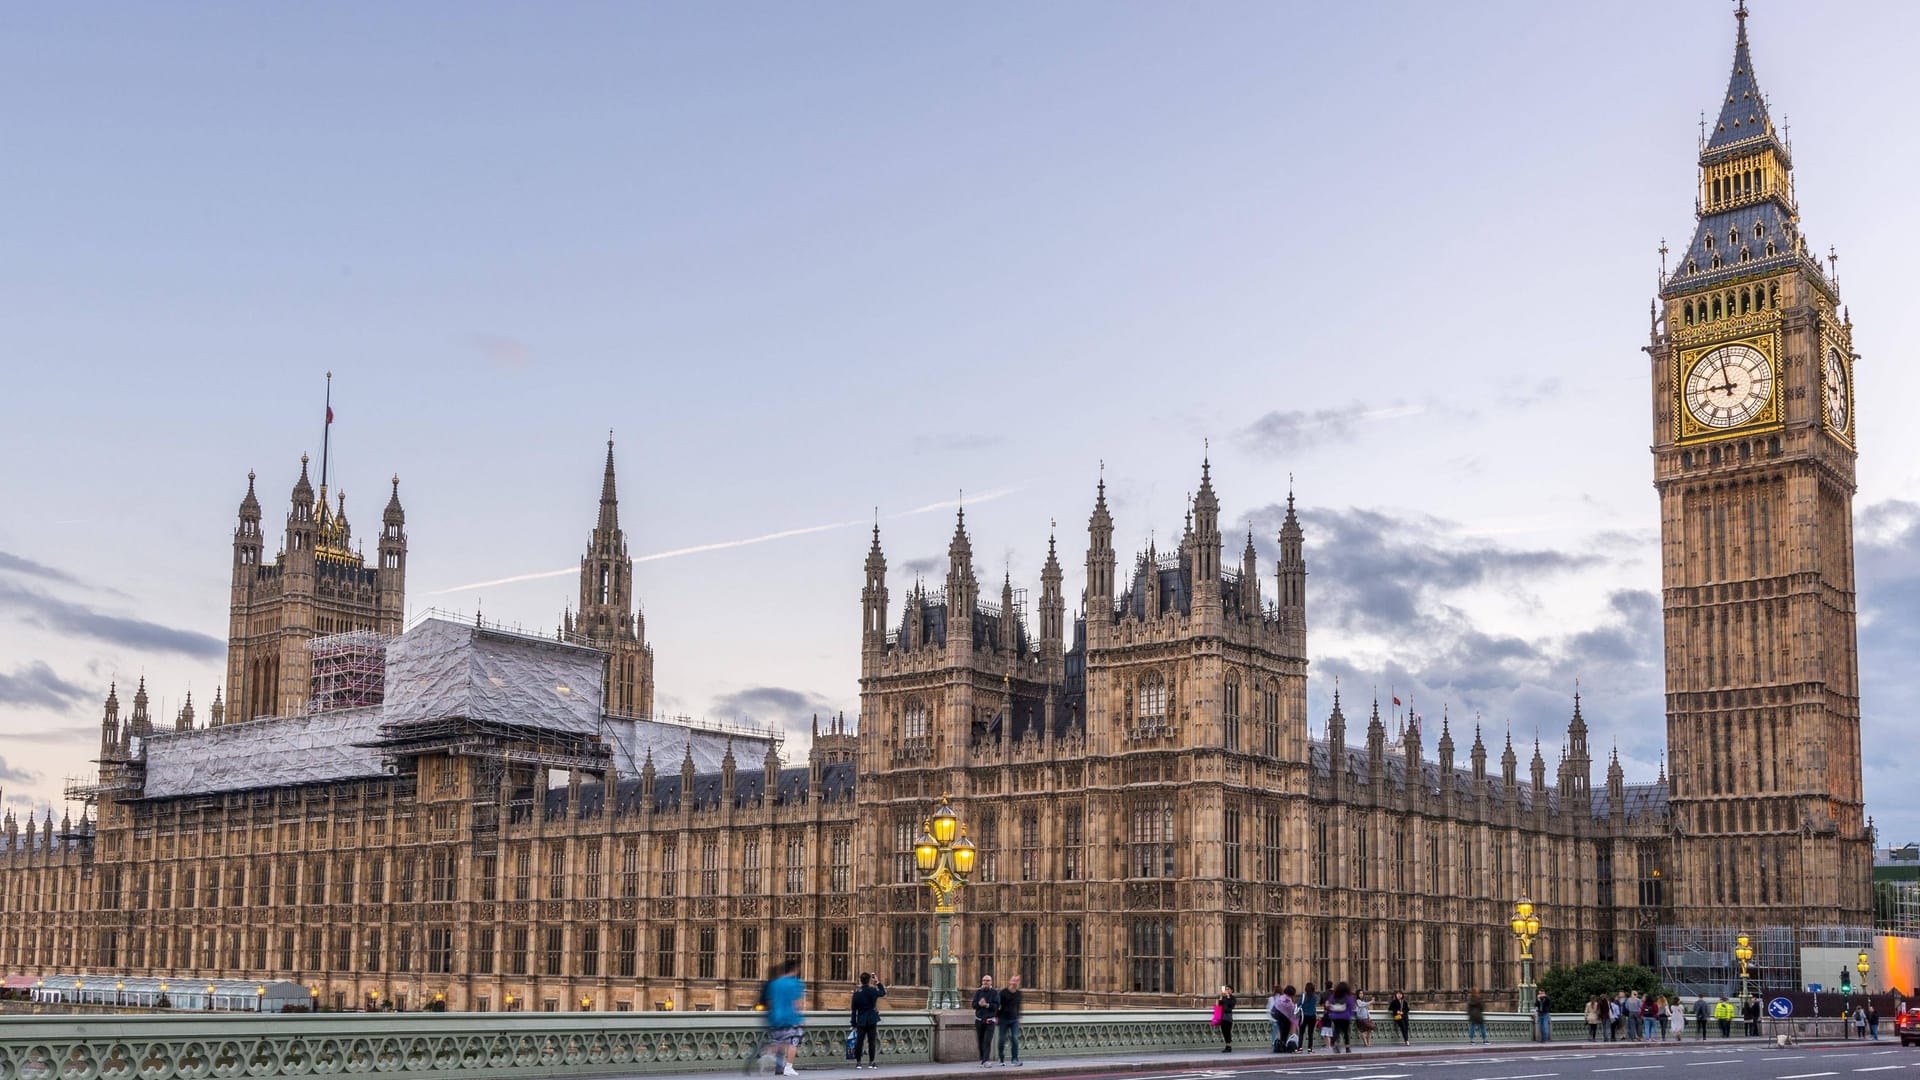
(326, 432)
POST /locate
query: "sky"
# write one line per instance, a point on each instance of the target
(810, 262)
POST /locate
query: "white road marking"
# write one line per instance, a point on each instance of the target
(1631, 1068)
(1806, 1076)
(1879, 1068)
(1521, 1076)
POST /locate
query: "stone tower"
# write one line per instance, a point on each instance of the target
(1752, 374)
(318, 584)
(607, 618)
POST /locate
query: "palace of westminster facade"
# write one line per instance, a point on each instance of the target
(1152, 815)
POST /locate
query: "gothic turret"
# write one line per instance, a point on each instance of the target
(1376, 746)
(184, 722)
(1100, 560)
(1053, 612)
(608, 618)
(1616, 786)
(1446, 755)
(1578, 784)
(963, 588)
(1478, 756)
(217, 712)
(247, 540)
(301, 526)
(1539, 766)
(110, 723)
(873, 598)
(1293, 581)
(393, 549)
(1509, 766)
(1205, 545)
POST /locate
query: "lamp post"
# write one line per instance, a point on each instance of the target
(1743, 952)
(1525, 926)
(944, 864)
(1863, 967)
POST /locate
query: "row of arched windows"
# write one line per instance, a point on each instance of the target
(1741, 301)
(1738, 185)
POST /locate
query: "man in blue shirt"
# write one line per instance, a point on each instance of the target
(786, 1023)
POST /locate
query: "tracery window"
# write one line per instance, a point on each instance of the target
(1151, 837)
(1153, 702)
(917, 724)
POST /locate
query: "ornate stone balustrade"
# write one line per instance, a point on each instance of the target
(449, 1045)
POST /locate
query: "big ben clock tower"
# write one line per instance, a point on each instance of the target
(1754, 454)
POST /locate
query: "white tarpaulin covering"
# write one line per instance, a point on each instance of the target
(272, 752)
(633, 740)
(441, 670)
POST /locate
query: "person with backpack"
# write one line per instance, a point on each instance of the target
(1285, 1015)
(1701, 1010)
(866, 1018)
(1476, 1016)
(1339, 1014)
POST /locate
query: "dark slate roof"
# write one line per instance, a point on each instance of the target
(793, 785)
(838, 781)
(1774, 225)
(1743, 112)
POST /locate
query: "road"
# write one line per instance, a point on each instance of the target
(1883, 1061)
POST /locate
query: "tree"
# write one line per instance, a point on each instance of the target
(1570, 988)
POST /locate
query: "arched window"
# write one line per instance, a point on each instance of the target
(1230, 703)
(1773, 294)
(1716, 300)
(1153, 701)
(1689, 313)
(917, 725)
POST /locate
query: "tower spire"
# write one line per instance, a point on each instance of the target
(609, 499)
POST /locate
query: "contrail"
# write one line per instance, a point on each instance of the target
(721, 545)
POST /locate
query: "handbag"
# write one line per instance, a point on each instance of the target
(853, 1041)
(1216, 1014)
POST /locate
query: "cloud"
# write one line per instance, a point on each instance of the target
(1392, 574)
(79, 619)
(47, 736)
(772, 706)
(1887, 562)
(924, 566)
(500, 351)
(10, 774)
(16, 564)
(1286, 431)
(36, 686)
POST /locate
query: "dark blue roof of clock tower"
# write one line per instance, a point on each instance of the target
(1758, 235)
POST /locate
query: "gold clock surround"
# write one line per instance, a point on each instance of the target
(1688, 428)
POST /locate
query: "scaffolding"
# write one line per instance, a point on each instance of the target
(1699, 961)
(349, 670)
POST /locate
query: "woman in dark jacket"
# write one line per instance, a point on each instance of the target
(986, 1014)
(1225, 1003)
(866, 1018)
(1339, 1013)
(1397, 1008)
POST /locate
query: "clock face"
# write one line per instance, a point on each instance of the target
(1834, 373)
(1729, 386)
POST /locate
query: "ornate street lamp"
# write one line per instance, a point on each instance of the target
(944, 864)
(1863, 967)
(1525, 926)
(1743, 952)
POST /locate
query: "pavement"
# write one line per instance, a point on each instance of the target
(1198, 1065)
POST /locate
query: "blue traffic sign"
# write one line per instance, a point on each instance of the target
(1779, 1008)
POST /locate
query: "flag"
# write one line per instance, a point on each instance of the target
(1396, 701)
(329, 414)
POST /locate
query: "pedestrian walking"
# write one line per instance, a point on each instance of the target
(1476, 1016)
(1616, 1008)
(786, 1023)
(1635, 1004)
(1400, 1011)
(1723, 1012)
(1676, 1020)
(1700, 1012)
(1593, 1019)
(866, 1018)
(1543, 1015)
(1339, 1012)
(1859, 1022)
(986, 1015)
(1223, 1017)
(1008, 1020)
(1873, 1021)
(1751, 1011)
(1309, 1018)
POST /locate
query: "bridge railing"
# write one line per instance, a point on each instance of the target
(507, 1045)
